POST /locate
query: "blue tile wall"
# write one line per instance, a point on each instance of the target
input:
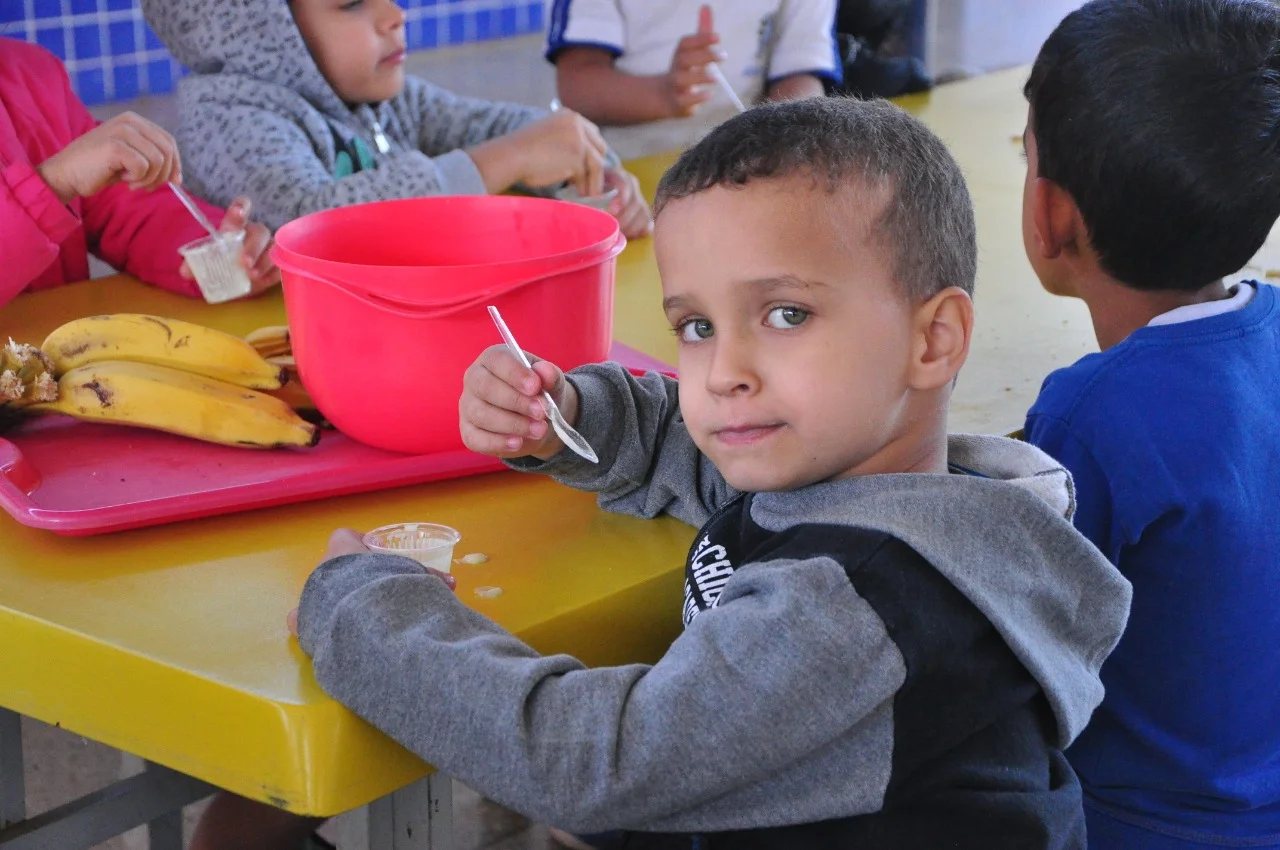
(111, 54)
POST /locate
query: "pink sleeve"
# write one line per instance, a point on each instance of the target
(139, 232)
(33, 223)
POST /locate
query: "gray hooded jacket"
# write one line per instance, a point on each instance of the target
(868, 648)
(259, 118)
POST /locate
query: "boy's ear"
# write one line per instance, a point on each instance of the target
(943, 327)
(1055, 219)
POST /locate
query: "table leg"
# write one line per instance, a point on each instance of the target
(95, 817)
(165, 831)
(13, 792)
(417, 817)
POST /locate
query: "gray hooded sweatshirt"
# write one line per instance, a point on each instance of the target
(258, 118)
(889, 661)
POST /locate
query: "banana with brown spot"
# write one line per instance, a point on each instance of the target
(173, 343)
(145, 395)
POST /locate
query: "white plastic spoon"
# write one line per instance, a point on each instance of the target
(563, 429)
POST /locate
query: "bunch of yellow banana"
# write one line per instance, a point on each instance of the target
(170, 375)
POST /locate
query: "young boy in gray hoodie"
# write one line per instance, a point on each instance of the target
(890, 634)
(306, 104)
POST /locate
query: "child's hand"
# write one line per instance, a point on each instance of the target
(127, 147)
(561, 147)
(629, 208)
(263, 273)
(501, 411)
(345, 541)
(689, 82)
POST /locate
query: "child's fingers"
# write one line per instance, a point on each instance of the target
(689, 79)
(706, 25)
(697, 42)
(697, 58)
(508, 424)
(498, 362)
(131, 161)
(157, 166)
(497, 444)
(485, 443)
(161, 137)
(490, 389)
(292, 622)
(345, 541)
(636, 220)
(184, 271)
(688, 102)
(256, 240)
(595, 139)
(170, 167)
(237, 218)
(591, 181)
(264, 274)
(551, 376)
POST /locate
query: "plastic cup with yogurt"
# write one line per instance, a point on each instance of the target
(427, 543)
(215, 262)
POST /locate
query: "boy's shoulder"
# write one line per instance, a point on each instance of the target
(1066, 391)
(1159, 370)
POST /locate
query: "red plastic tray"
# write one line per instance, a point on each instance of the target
(76, 478)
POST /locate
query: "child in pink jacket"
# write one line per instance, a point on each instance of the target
(70, 186)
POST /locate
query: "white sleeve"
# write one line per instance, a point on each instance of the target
(806, 40)
(585, 23)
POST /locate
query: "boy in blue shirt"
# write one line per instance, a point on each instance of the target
(1153, 171)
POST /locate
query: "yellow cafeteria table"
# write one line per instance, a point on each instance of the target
(170, 642)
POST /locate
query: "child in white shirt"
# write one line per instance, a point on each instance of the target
(639, 68)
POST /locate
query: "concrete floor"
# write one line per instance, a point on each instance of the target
(969, 37)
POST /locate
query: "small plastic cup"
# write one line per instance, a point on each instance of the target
(215, 262)
(568, 193)
(427, 543)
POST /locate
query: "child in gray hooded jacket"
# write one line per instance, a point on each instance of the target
(306, 104)
(890, 634)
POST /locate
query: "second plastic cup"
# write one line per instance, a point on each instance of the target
(215, 262)
(427, 543)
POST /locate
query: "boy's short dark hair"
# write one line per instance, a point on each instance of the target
(1161, 118)
(927, 222)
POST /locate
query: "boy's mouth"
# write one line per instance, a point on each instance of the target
(394, 58)
(746, 433)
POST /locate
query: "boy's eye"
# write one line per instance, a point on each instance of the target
(351, 4)
(695, 330)
(785, 318)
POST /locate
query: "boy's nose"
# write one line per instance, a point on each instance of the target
(732, 370)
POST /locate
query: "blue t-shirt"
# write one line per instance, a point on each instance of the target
(1173, 437)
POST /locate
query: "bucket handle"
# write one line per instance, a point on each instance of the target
(534, 270)
(408, 310)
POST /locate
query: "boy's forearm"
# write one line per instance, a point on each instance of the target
(601, 93)
(596, 749)
(796, 87)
